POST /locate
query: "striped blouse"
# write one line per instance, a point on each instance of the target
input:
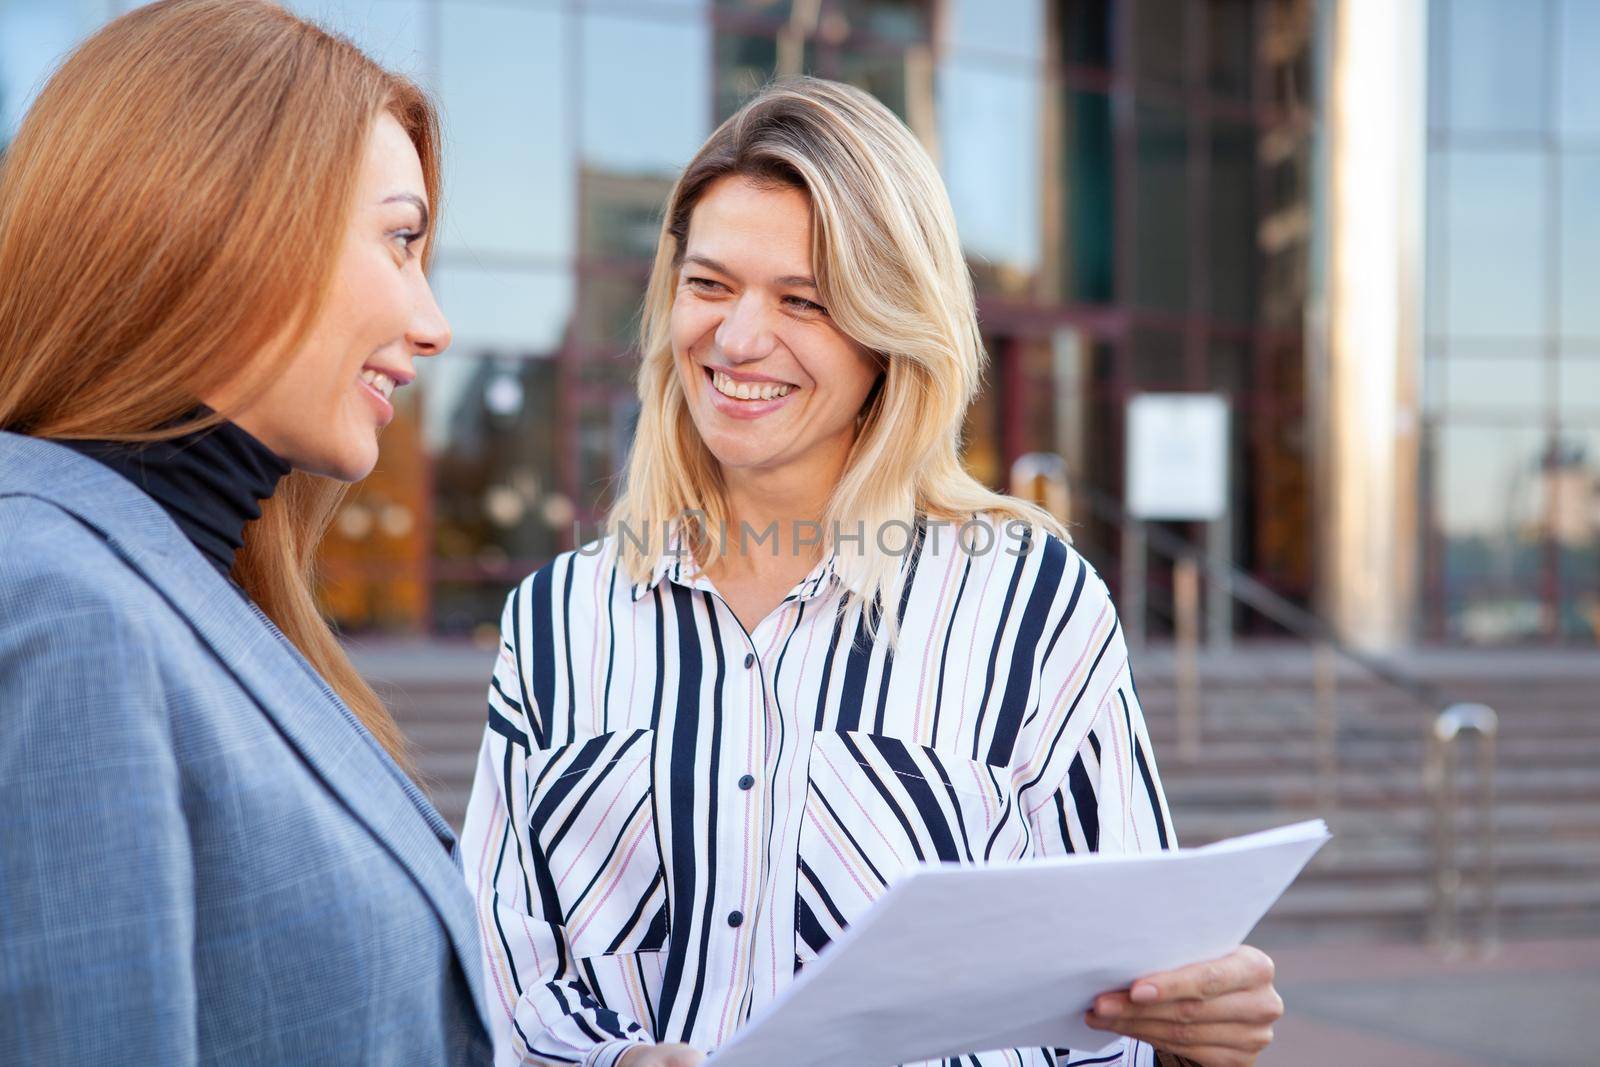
(672, 815)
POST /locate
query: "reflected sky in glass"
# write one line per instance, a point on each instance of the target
(646, 92)
(509, 172)
(1014, 28)
(1580, 244)
(989, 148)
(1494, 251)
(1579, 106)
(1495, 73)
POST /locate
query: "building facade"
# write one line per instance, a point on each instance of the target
(1149, 196)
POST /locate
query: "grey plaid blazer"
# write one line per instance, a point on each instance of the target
(204, 858)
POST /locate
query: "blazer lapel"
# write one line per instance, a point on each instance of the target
(288, 690)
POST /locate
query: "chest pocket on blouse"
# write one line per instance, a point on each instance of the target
(591, 821)
(878, 806)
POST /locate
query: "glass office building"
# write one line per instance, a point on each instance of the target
(1140, 189)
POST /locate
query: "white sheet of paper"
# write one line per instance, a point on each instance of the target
(953, 960)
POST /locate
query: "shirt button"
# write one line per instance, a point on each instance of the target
(747, 781)
(749, 660)
(735, 918)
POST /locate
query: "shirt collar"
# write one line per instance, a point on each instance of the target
(677, 563)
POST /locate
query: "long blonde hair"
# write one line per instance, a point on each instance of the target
(171, 212)
(888, 263)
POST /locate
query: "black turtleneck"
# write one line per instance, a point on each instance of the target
(210, 482)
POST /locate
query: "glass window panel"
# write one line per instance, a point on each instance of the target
(390, 31)
(1157, 360)
(898, 22)
(1578, 108)
(1578, 380)
(1576, 529)
(1161, 240)
(503, 77)
(1015, 28)
(1489, 502)
(646, 93)
(988, 127)
(1161, 42)
(504, 312)
(1085, 32)
(1232, 222)
(1481, 380)
(1580, 243)
(1496, 73)
(611, 309)
(1089, 252)
(1495, 251)
(896, 76)
(744, 63)
(622, 214)
(1231, 39)
(499, 508)
(35, 35)
(1436, 222)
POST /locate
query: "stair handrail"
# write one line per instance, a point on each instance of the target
(1445, 898)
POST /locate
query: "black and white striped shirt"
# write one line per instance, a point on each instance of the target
(672, 815)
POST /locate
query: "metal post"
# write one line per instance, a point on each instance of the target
(1444, 922)
(1186, 616)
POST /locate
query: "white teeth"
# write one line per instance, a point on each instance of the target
(749, 390)
(380, 382)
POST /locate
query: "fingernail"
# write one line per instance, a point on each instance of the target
(1144, 992)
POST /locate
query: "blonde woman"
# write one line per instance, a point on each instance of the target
(813, 651)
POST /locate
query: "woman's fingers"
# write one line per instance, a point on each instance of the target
(1249, 1006)
(1243, 968)
(1174, 1036)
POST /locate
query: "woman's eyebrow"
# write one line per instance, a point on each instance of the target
(415, 201)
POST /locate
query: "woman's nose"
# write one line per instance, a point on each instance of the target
(430, 330)
(745, 334)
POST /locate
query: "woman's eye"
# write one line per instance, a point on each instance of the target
(406, 239)
(800, 303)
(703, 283)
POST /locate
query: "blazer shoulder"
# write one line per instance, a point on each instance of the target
(53, 562)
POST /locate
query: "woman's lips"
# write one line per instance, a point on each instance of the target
(735, 408)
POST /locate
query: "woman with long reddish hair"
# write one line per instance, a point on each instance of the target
(213, 233)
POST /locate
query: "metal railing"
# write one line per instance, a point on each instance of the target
(1444, 927)
(1191, 563)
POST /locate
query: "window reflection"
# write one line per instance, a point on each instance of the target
(1495, 379)
(1489, 495)
(1576, 512)
(1495, 234)
(512, 312)
(1494, 65)
(645, 86)
(1580, 244)
(1161, 256)
(988, 122)
(510, 179)
(1579, 104)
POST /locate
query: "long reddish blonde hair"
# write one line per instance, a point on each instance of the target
(170, 216)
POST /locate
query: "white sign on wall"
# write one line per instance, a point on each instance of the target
(1177, 449)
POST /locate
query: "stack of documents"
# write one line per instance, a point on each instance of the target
(953, 960)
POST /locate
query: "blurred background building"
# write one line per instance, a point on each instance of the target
(1370, 225)
(1148, 191)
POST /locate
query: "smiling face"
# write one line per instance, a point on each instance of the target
(323, 410)
(772, 383)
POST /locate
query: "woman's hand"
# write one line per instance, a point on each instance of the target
(674, 1055)
(1217, 1014)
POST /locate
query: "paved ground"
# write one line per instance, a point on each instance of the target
(1533, 1004)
